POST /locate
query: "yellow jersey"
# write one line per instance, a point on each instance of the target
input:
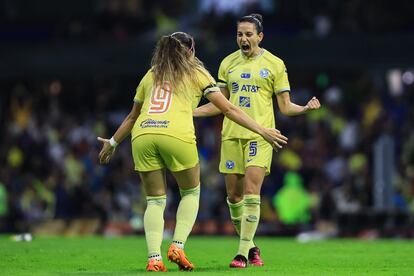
(251, 83)
(168, 111)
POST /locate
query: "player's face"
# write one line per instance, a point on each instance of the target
(248, 39)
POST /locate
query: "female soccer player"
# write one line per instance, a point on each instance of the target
(162, 136)
(249, 77)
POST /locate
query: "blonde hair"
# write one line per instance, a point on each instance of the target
(174, 62)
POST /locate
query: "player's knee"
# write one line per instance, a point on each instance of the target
(234, 197)
(155, 191)
(252, 188)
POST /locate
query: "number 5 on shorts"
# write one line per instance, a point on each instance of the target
(253, 148)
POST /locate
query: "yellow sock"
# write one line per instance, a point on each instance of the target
(154, 223)
(186, 214)
(236, 212)
(250, 220)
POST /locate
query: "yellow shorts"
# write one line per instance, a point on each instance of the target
(238, 154)
(156, 151)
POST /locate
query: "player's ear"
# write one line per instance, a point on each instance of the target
(191, 51)
(261, 35)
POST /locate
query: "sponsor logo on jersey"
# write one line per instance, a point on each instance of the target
(245, 75)
(249, 88)
(234, 87)
(230, 71)
(229, 164)
(150, 123)
(244, 101)
(264, 73)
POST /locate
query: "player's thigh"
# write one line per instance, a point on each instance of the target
(253, 180)
(258, 153)
(149, 165)
(232, 157)
(146, 154)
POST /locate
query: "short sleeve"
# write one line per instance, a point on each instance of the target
(207, 82)
(222, 75)
(140, 91)
(281, 82)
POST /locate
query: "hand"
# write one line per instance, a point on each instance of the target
(312, 104)
(106, 151)
(274, 137)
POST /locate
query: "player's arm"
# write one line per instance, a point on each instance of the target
(271, 135)
(210, 109)
(291, 109)
(123, 131)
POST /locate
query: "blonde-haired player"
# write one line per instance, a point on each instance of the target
(249, 77)
(162, 137)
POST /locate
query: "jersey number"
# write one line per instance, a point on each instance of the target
(160, 99)
(253, 148)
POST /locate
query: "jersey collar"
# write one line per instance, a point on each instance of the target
(254, 57)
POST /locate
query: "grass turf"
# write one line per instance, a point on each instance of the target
(211, 255)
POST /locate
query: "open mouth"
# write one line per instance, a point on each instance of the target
(245, 48)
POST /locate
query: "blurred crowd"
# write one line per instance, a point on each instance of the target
(49, 168)
(128, 19)
(323, 181)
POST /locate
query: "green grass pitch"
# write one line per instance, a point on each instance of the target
(211, 255)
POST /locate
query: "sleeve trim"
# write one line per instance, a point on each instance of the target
(210, 91)
(211, 85)
(282, 90)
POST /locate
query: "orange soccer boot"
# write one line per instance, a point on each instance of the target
(156, 266)
(177, 255)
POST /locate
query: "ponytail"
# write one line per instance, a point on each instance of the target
(172, 61)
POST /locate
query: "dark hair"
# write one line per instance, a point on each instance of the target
(186, 39)
(254, 18)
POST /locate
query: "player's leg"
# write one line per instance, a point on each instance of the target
(182, 160)
(258, 160)
(253, 181)
(234, 189)
(152, 173)
(189, 183)
(232, 166)
(154, 186)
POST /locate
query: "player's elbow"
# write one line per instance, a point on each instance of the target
(230, 111)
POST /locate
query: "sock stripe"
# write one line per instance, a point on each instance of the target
(235, 205)
(192, 191)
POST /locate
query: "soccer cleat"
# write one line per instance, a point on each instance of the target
(156, 266)
(239, 262)
(254, 257)
(177, 255)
